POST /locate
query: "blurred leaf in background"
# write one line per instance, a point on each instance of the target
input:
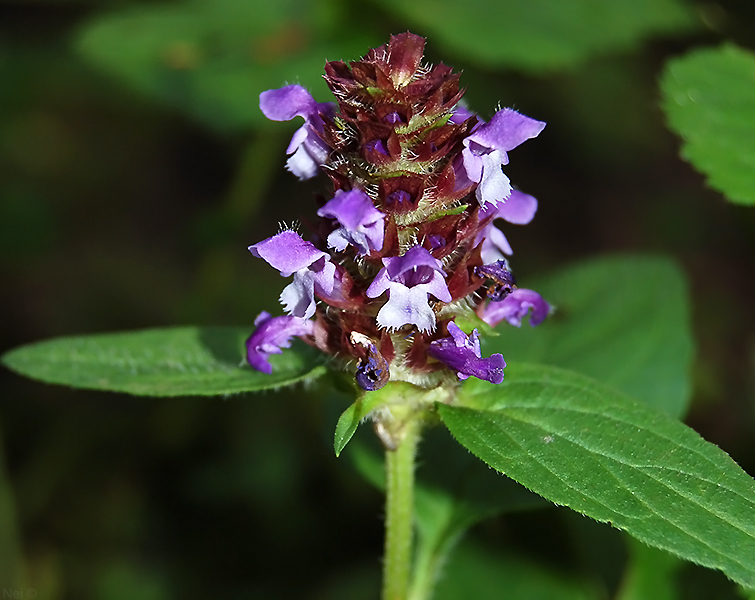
(709, 99)
(542, 35)
(623, 320)
(212, 58)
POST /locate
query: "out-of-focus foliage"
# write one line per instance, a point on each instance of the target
(542, 35)
(212, 58)
(650, 574)
(709, 98)
(483, 574)
(621, 320)
(10, 554)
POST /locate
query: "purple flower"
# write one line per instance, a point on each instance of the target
(307, 149)
(399, 197)
(519, 208)
(361, 223)
(514, 307)
(313, 272)
(462, 353)
(485, 152)
(409, 281)
(272, 334)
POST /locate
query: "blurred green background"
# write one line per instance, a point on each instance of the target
(135, 169)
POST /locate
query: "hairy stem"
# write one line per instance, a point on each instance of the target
(399, 513)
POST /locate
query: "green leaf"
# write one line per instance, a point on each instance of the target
(581, 445)
(180, 361)
(623, 320)
(212, 58)
(541, 34)
(476, 572)
(709, 100)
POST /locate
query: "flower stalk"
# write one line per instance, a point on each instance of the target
(399, 512)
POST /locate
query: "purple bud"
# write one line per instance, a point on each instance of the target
(436, 241)
(393, 118)
(372, 371)
(376, 146)
(272, 334)
(462, 354)
(399, 197)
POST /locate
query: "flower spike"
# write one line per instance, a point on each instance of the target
(407, 243)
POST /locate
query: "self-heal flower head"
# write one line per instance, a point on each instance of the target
(406, 243)
(307, 149)
(313, 272)
(409, 280)
(361, 223)
(485, 152)
(514, 307)
(462, 353)
(273, 334)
